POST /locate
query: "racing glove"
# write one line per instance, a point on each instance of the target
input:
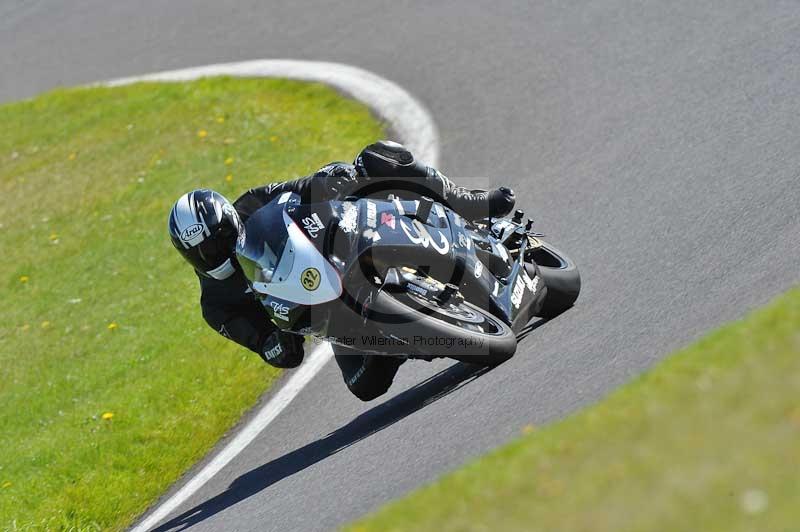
(282, 349)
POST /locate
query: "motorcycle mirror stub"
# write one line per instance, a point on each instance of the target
(424, 209)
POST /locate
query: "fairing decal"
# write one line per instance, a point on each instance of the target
(312, 280)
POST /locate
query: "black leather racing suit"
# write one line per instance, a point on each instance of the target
(232, 311)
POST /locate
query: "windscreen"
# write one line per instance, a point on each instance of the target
(261, 252)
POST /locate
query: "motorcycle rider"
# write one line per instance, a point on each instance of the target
(204, 226)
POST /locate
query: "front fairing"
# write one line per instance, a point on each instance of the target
(284, 266)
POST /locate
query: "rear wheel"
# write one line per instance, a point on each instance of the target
(455, 328)
(560, 276)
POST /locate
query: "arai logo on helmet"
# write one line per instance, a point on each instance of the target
(191, 232)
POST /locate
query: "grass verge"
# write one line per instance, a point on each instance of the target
(111, 384)
(707, 440)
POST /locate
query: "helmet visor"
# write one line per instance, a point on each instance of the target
(217, 249)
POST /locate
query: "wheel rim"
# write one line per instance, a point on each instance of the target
(456, 313)
(451, 311)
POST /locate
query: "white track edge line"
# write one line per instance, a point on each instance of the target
(319, 357)
(414, 126)
(410, 119)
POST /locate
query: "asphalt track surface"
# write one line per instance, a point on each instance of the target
(656, 142)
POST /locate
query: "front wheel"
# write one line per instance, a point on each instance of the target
(455, 329)
(560, 276)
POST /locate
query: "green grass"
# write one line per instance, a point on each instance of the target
(100, 315)
(708, 440)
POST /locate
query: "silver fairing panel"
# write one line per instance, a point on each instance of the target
(312, 280)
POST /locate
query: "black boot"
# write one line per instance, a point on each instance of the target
(391, 165)
(476, 204)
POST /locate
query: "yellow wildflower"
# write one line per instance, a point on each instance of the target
(112, 326)
(794, 416)
(24, 279)
(220, 120)
(202, 133)
(229, 178)
(273, 138)
(72, 156)
(229, 161)
(108, 415)
(53, 237)
(46, 324)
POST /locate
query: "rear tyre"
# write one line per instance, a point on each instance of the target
(457, 329)
(560, 276)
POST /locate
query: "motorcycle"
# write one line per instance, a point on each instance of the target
(403, 278)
